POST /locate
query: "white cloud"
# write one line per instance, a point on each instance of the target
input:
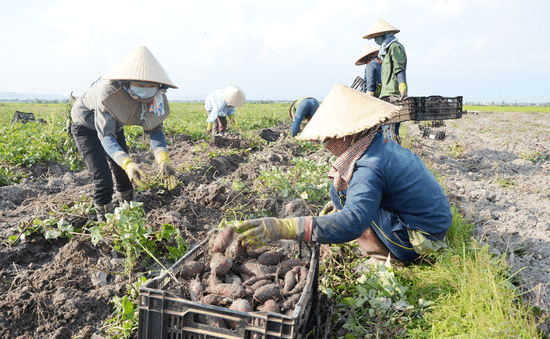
(443, 49)
(477, 43)
(449, 7)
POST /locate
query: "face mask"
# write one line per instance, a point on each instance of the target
(143, 92)
(379, 39)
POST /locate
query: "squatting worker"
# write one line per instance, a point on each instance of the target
(132, 93)
(303, 108)
(221, 104)
(372, 80)
(394, 62)
(382, 194)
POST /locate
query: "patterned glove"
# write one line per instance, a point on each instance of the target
(209, 127)
(135, 172)
(259, 232)
(166, 170)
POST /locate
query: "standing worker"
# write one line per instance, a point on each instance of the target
(221, 104)
(382, 194)
(305, 107)
(372, 80)
(132, 93)
(394, 63)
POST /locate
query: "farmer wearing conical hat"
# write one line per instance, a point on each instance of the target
(221, 104)
(394, 62)
(382, 194)
(372, 80)
(132, 93)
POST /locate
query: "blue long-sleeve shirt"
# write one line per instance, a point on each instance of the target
(373, 76)
(216, 106)
(391, 177)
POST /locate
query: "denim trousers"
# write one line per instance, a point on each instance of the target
(101, 164)
(388, 226)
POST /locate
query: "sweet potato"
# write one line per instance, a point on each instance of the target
(255, 279)
(233, 290)
(195, 289)
(241, 305)
(301, 282)
(269, 258)
(191, 268)
(251, 268)
(259, 284)
(291, 301)
(213, 280)
(230, 278)
(244, 277)
(255, 253)
(223, 239)
(269, 306)
(289, 264)
(214, 300)
(236, 251)
(220, 264)
(290, 281)
(266, 292)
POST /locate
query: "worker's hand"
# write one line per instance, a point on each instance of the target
(328, 209)
(232, 119)
(370, 93)
(260, 232)
(166, 170)
(402, 90)
(135, 172)
(209, 127)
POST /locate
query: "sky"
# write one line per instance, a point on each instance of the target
(482, 50)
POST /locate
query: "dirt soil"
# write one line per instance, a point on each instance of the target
(62, 289)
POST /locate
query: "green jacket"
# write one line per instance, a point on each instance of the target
(394, 61)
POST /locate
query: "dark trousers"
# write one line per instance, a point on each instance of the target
(101, 164)
(220, 125)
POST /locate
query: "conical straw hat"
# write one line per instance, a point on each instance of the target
(234, 96)
(367, 50)
(140, 65)
(378, 28)
(346, 111)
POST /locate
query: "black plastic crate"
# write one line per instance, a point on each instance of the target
(270, 135)
(23, 117)
(428, 108)
(230, 140)
(164, 315)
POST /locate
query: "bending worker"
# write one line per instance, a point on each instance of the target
(394, 63)
(132, 93)
(382, 194)
(221, 104)
(303, 108)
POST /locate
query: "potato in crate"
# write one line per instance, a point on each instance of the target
(220, 289)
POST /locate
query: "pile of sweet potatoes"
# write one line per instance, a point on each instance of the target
(230, 275)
